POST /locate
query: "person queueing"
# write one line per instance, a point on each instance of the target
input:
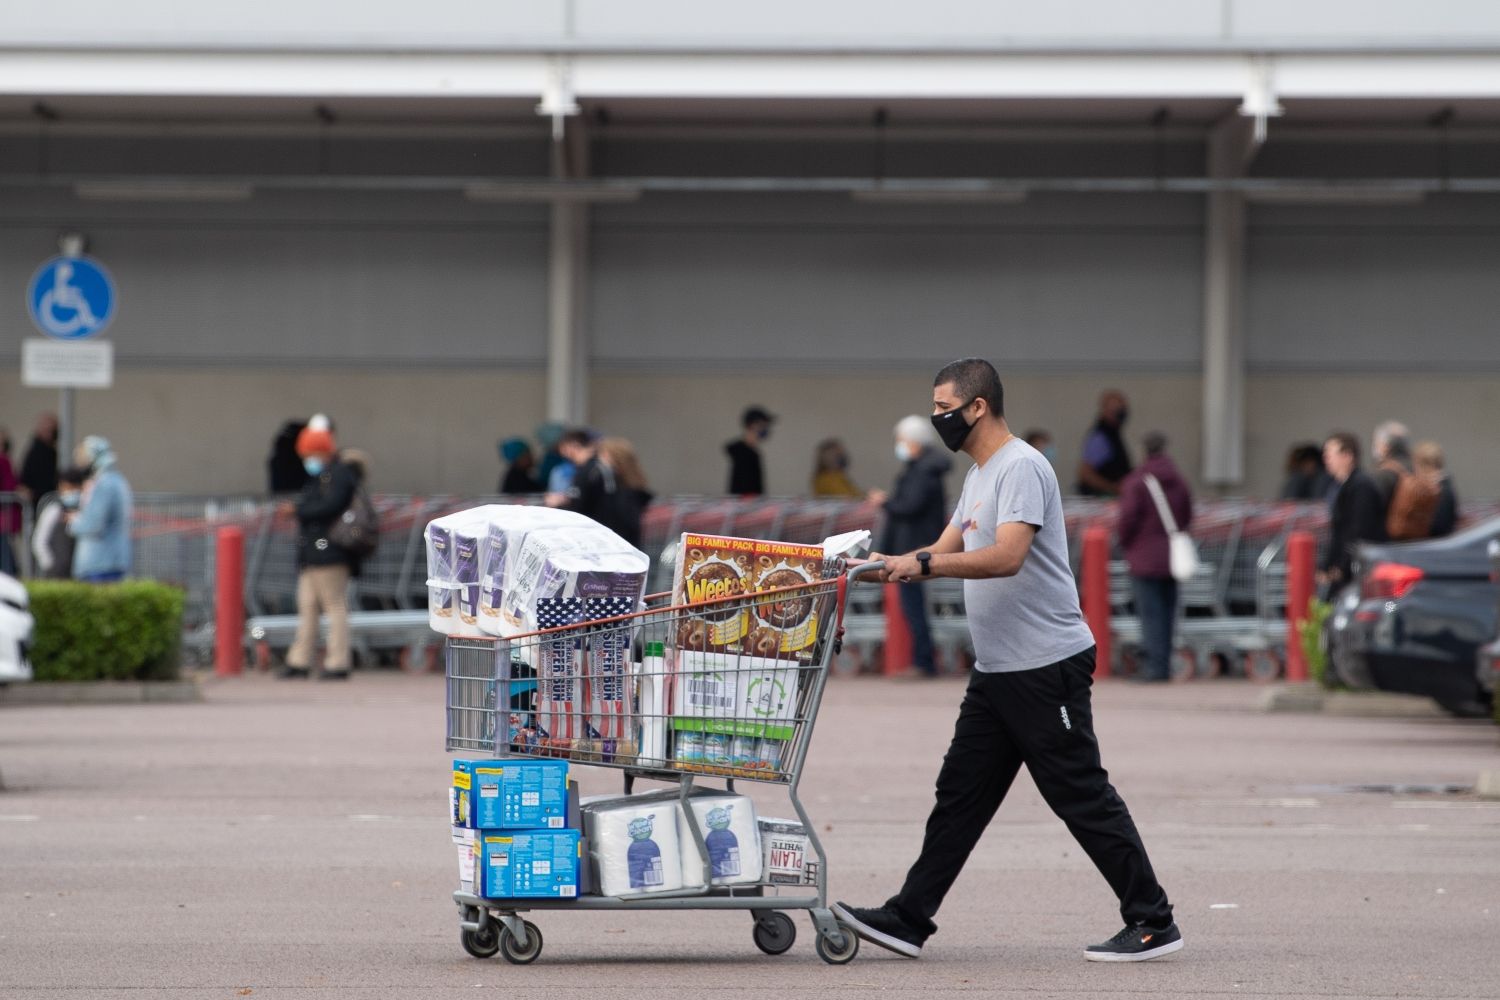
(1027, 701)
(323, 567)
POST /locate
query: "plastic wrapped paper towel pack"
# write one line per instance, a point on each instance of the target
(726, 821)
(633, 844)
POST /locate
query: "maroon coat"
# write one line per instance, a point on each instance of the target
(1141, 533)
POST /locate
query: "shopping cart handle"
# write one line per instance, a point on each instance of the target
(858, 569)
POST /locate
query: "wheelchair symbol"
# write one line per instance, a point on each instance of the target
(71, 298)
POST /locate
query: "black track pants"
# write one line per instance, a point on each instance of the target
(1041, 718)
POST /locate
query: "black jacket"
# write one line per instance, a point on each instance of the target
(597, 494)
(1445, 517)
(745, 475)
(39, 470)
(1358, 516)
(322, 500)
(917, 510)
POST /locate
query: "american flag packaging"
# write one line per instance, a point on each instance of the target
(609, 675)
(559, 683)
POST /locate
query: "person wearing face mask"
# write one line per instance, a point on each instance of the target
(1106, 460)
(323, 568)
(915, 511)
(51, 545)
(1027, 701)
(746, 477)
(831, 471)
(1042, 441)
(101, 525)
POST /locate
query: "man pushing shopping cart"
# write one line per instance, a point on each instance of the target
(1028, 698)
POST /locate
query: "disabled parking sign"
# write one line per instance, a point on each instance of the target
(71, 298)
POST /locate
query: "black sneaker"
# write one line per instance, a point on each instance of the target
(1136, 944)
(292, 673)
(882, 926)
(334, 675)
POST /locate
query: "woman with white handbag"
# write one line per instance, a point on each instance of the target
(1156, 508)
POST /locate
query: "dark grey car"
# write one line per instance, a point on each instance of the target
(1417, 616)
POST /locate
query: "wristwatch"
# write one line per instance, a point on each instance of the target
(925, 558)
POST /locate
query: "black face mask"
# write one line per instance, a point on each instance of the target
(952, 427)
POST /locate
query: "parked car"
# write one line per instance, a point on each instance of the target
(16, 625)
(1416, 617)
(1488, 672)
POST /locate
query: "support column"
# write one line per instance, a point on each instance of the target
(567, 286)
(1231, 145)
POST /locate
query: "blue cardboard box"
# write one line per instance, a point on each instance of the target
(510, 794)
(531, 864)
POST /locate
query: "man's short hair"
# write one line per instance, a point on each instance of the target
(579, 436)
(1393, 438)
(1156, 443)
(1347, 443)
(974, 378)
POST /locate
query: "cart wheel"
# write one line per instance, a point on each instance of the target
(774, 933)
(1262, 666)
(513, 953)
(482, 943)
(1183, 665)
(844, 951)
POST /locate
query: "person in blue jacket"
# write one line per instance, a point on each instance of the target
(102, 524)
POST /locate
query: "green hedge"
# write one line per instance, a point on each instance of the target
(129, 631)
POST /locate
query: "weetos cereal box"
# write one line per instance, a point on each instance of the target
(712, 567)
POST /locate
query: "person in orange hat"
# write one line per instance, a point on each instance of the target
(323, 568)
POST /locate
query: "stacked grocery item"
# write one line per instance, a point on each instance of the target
(516, 826)
(711, 684)
(523, 833)
(737, 664)
(497, 569)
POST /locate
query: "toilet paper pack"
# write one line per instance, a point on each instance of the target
(440, 610)
(467, 540)
(583, 562)
(788, 855)
(506, 527)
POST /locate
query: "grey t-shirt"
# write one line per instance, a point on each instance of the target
(1031, 619)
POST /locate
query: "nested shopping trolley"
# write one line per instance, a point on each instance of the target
(699, 696)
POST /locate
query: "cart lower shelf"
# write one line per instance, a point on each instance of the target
(490, 926)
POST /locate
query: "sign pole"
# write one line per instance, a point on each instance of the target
(65, 427)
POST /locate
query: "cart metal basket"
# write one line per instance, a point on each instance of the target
(724, 689)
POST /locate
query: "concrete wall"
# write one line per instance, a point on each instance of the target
(208, 430)
(418, 323)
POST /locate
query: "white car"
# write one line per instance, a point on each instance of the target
(16, 624)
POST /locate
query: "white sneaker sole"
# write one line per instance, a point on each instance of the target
(870, 934)
(1138, 956)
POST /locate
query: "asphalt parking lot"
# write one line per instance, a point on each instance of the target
(289, 840)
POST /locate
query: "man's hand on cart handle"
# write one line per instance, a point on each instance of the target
(893, 569)
(899, 569)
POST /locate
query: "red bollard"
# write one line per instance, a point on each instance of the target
(897, 633)
(229, 603)
(1095, 569)
(1301, 549)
